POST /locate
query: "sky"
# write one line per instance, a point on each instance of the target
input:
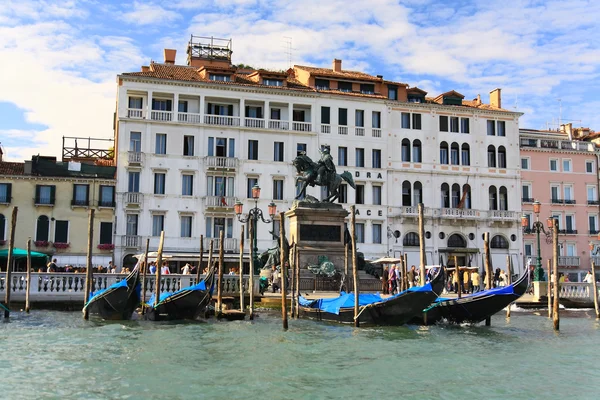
(60, 59)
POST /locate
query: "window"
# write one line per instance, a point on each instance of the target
(491, 153)
(417, 193)
(325, 115)
(592, 223)
(466, 197)
(220, 148)
(162, 105)
(5, 192)
(188, 146)
(107, 196)
(360, 232)
(135, 142)
(377, 195)
(503, 198)
(416, 121)
(570, 223)
(501, 128)
(524, 163)
(80, 195)
(571, 250)
(499, 242)
(106, 232)
(359, 118)
(277, 189)
(135, 102)
(526, 193)
(367, 88)
(322, 84)
(589, 167)
(298, 115)
(566, 165)
(158, 224)
(529, 220)
(360, 194)
(454, 154)
(161, 143)
(377, 233)
(501, 157)
(493, 199)
(457, 240)
(405, 120)
(445, 195)
(376, 120)
(553, 165)
(219, 77)
(558, 217)
(360, 157)
(252, 149)
(276, 114)
(220, 186)
(416, 153)
(491, 127)
(187, 185)
(568, 190)
(61, 231)
(2, 227)
(44, 194)
(455, 195)
(42, 231)
(300, 149)
(133, 184)
(464, 125)
(591, 194)
(159, 183)
(465, 154)
(343, 116)
(251, 183)
(392, 93)
(182, 107)
(344, 86)
(405, 150)
(132, 225)
(343, 193)
(411, 239)
(186, 226)
(406, 194)
(444, 153)
(272, 82)
(376, 158)
(454, 124)
(443, 123)
(528, 249)
(278, 151)
(342, 156)
(554, 193)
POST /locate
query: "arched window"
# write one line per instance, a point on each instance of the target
(445, 195)
(43, 228)
(2, 227)
(406, 193)
(443, 153)
(405, 150)
(467, 195)
(501, 157)
(503, 199)
(455, 195)
(417, 155)
(493, 198)
(411, 239)
(491, 156)
(417, 193)
(499, 242)
(465, 154)
(454, 154)
(457, 240)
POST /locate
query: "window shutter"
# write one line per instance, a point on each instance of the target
(259, 113)
(52, 194)
(169, 105)
(8, 192)
(232, 147)
(208, 227)
(443, 123)
(37, 194)
(211, 146)
(247, 112)
(87, 195)
(230, 110)
(154, 104)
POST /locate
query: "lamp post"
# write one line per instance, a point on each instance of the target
(255, 214)
(538, 227)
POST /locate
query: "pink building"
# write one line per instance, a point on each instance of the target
(561, 174)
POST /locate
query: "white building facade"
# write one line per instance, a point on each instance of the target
(191, 140)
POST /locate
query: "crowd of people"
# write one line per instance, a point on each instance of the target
(392, 279)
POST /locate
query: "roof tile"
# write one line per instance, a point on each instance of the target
(12, 168)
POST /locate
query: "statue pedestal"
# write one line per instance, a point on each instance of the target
(318, 229)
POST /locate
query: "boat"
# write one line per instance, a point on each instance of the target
(187, 303)
(118, 301)
(475, 307)
(576, 302)
(374, 309)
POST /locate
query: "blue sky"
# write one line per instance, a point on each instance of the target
(60, 59)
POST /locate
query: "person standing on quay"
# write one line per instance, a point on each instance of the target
(411, 277)
(384, 281)
(392, 279)
(475, 285)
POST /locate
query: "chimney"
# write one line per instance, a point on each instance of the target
(337, 65)
(170, 56)
(145, 68)
(496, 98)
(568, 129)
(478, 100)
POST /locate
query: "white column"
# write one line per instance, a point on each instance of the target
(201, 110)
(267, 113)
(290, 114)
(313, 119)
(175, 110)
(149, 105)
(242, 112)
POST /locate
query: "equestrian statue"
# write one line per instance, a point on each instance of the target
(321, 173)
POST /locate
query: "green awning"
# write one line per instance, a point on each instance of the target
(458, 250)
(20, 254)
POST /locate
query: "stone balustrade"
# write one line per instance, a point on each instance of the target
(567, 290)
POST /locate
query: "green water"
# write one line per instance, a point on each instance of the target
(48, 355)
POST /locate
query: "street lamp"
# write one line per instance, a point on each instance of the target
(538, 227)
(254, 214)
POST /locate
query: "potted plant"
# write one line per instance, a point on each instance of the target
(2, 242)
(106, 246)
(41, 243)
(59, 246)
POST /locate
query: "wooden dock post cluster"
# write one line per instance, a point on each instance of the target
(549, 288)
(219, 310)
(555, 315)
(488, 268)
(509, 277)
(595, 289)
(144, 272)
(283, 260)
(422, 261)
(241, 271)
(354, 263)
(457, 272)
(28, 289)
(9, 261)
(89, 275)
(158, 267)
(251, 277)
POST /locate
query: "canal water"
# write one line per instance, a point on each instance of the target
(57, 355)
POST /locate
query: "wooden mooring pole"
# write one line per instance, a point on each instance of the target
(219, 311)
(548, 288)
(509, 278)
(144, 271)
(251, 276)
(354, 263)
(555, 314)
(458, 275)
(28, 288)
(488, 268)
(297, 272)
(200, 259)
(595, 289)
(9, 262)
(346, 271)
(292, 259)
(89, 274)
(421, 246)
(405, 261)
(158, 267)
(283, 260)
(242, 269)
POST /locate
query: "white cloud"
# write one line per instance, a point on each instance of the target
(146, 14)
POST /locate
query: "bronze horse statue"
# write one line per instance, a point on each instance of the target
(308, 171)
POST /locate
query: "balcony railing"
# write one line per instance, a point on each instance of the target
(342, 130)
(568, 261)
(135, 157)
(596, 260)
(375, 132)
(189, 118)
(359, 131)
(557, 144)
(131, 241)
(279, 125)
(593, 231)
(325, 128)
(567, 231)
(224, 120)
(527, 200)
(219, 201)
(161, 115)
(221, 162)
(229, 244)
(254, 123)
(108, 203)
(570, 201)
(133, 198)
(593, 202)
(301, 126)
(557, 201)
(503, 215)
(80, 202)
(459, 213)
(135, 113)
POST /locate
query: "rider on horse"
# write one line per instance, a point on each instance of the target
(326, 167)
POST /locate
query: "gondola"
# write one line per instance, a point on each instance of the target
(476, 307)
(187, 303)
(373, 309)
(118, 301)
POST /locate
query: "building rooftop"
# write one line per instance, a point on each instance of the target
(48, 166)
(12, 168)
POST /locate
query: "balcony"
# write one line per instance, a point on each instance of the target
(325, 128)
(503, 215)
(80, 202)
(223, 120)
(136, 113)
(131, 242)
(254, 123)
(528, 231)
(359, 131)
(593, 231)
(229, 244)
(596, 260)
(527, 200)
(301, 126)
(557, 144)
(135, 157)
(593, 202)
(213, 162)
(570, 202)
(342, 130)
(567, 231)
(568, 261)
(375, 132)
(133, 198)
(219, 202)
(189, 118)
(43, 202)
(279, 125)
(459, 213)
(157, 115)
(557, 201)
(107, 204)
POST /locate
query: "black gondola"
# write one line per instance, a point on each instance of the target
(375, 310)
(476, 307)
(118, 301)
(187, 303)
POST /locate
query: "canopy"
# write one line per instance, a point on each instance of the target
(20, 254)
(386, 260)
